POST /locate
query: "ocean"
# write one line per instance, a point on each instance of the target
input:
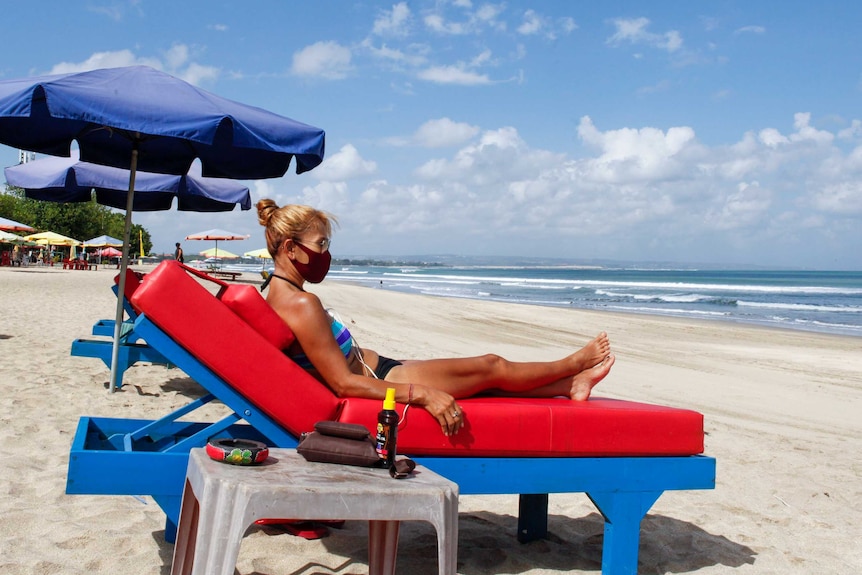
(828, 302)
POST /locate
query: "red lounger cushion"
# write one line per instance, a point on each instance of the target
(494, 427)
(246, 302)
(218, 338)
(542, 427)
(133, 281)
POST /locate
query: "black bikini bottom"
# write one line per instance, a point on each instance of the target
(384, 366)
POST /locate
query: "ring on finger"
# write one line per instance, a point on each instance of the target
(455, 414)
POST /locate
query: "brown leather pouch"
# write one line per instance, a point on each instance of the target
(336, 442)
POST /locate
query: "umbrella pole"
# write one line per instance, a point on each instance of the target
(124, 263)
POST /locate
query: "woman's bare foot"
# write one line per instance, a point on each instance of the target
(584, 382)
(591, 354)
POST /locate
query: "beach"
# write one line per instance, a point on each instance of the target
(781, 408)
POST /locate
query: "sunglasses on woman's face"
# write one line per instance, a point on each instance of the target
(322, 244)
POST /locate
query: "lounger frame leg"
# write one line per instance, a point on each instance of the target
(532, 517)
(623, 512)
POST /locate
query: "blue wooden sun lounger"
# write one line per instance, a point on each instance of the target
(131, 351)
(144, 457)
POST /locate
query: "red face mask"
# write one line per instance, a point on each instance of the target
(316, 268)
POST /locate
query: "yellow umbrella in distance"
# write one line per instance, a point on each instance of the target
(217, 253)
(52, 239)
(261, 253)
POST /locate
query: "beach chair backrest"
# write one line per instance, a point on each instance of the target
(248, 361)
(246, 302)
(133, 281)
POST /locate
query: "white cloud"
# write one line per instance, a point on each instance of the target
(568, 24)
(487, 16)
(842, 198)
(634, 31)
(751, 30)
(436, 23)
(176, 56)
(804, 131)
(394, 22)
(175, 61)
(532, 23)
(772, 137)
(852, 132)
(742, 209)
(328, 60)
(453, 75)
(632, 184)
(197, 74)
(345, 164)
(412, 56)
(636, 154)
(97, 60)
(443, 132)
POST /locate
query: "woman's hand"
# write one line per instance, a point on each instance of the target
(442, 407)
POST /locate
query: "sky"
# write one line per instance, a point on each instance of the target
(725, 132)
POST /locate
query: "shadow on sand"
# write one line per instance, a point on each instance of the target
(487, 544)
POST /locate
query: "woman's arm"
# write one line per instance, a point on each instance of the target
(310, 323)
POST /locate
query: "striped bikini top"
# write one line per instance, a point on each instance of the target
(342, 338)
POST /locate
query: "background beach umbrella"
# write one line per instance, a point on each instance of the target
(70, 180)
(260, 253)
(7, 238)
(216, 235)
(110, 253)
(138, 117)
(52, 239)
(218, 253)
(103, 242)
(8, 225)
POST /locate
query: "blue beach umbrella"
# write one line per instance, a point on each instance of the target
(66, 180)
(141, 118)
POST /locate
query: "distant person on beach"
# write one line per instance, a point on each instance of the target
(298, 238)
(178, 254)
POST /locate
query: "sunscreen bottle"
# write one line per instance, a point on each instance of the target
(387, 430)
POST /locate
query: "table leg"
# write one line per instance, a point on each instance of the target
(382, 547)
(187, 533)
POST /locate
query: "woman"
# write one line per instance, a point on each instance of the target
(298, 239)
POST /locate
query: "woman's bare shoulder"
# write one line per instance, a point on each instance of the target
(295, 306)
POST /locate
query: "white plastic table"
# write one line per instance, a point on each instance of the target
(220, 501)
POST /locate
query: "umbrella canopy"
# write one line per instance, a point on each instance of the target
(139, 117)
(167, 121)
(52, 239)
(110, 253)
(103, 242)
(261, 253)
(70, 180)
(8, 225)
(7, 238)
(216, 235)
(217, 253)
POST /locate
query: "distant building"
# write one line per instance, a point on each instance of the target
(25, 156)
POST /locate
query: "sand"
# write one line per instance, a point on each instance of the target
(783, 415)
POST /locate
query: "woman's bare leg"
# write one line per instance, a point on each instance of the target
(577, 387)
(465, 377)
